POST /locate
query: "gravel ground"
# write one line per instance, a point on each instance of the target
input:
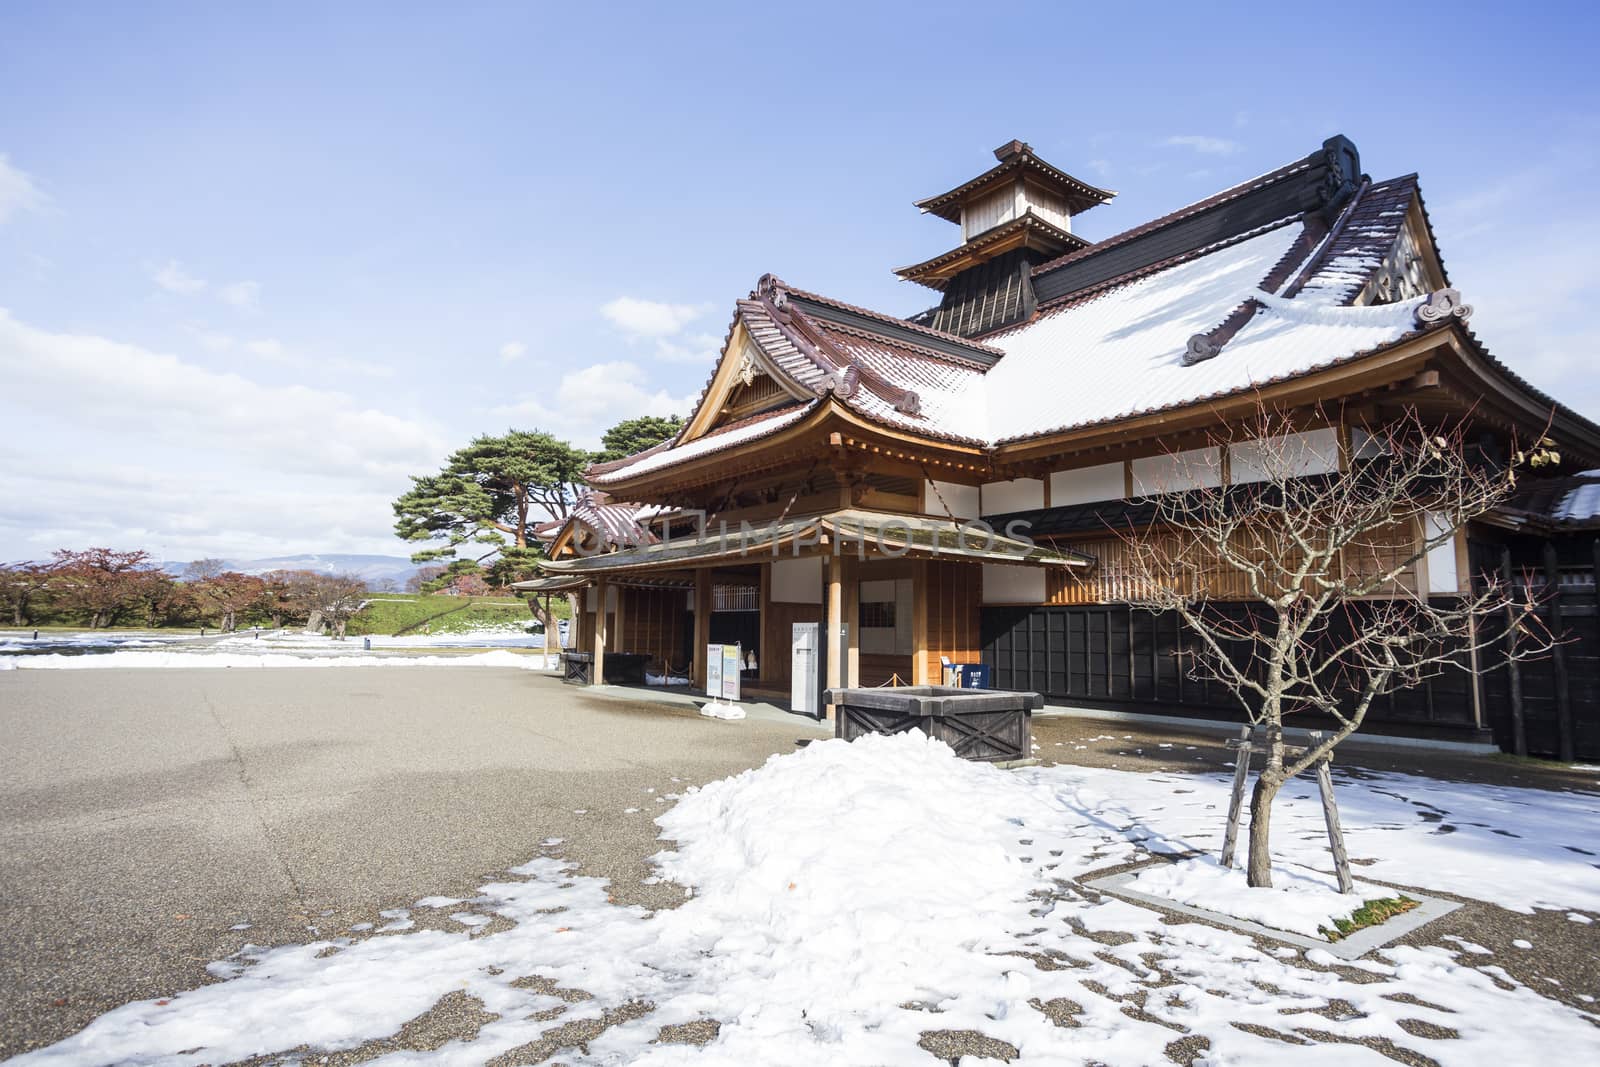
(145, 814)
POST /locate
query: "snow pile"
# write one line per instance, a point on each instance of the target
(124, 659)
(845, 899)
(1301, 900)
(718, 710)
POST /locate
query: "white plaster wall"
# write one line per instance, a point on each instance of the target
(1442, 577)
(1005, 584)
(590, 599)
(1086, 485)
(1019, 494)
(1292, 456)
(962, 500)
(1168, 473)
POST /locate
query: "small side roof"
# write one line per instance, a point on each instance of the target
(1570, 503)
(890, 533)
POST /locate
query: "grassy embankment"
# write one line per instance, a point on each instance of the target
(436, 614)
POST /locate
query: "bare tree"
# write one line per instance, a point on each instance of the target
(200, 570)
(1303, 590)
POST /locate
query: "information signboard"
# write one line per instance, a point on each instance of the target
(732, 663)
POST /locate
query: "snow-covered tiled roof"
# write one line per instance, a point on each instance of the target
(718, 440)
(1120, 354)
(1274, 303)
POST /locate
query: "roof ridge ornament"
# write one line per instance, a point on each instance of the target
(1200, 348)
(842, 383)
(1441, 306)
(909, 403)
(1011, 148)
(772, 289)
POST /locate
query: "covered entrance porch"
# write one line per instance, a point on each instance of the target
(894, 596)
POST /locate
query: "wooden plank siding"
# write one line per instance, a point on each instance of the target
(651, 622)
(951, 601)
(1111, 581)
(1111, 655)
(776, 640)
(1578, 599)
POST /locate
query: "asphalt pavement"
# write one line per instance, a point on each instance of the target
(144, 814)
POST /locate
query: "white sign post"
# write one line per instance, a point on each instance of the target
(803, 649)
(722, 682)
(714, 671)
(732, 665)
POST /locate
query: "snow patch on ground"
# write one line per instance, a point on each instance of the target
(845, 898)
(715, 710)
(123, 659)
(1301, 900)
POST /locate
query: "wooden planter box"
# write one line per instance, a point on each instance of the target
(979, 724)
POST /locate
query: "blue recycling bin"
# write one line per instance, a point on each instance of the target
(967, 675)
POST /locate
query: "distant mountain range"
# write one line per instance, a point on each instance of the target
(373, 568)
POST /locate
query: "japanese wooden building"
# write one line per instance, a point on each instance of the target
(835, 452)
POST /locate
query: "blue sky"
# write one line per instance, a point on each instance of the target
(259, 263)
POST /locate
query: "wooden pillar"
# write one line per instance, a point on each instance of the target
(601, 591)
(763, 647)
(1519, 728)
(619, 634)
(702, 623)
(1552, 577)
(919, 624)
(830, 632)
(852, 621)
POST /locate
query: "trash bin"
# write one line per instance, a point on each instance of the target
(989, 725)
(967, 675)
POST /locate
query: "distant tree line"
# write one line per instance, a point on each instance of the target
(101, 587)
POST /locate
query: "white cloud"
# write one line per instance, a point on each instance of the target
(271, 350)
(18, 191)
(242, 296)
(266, 348)
(701, 348)
(1210, 146)
(588, 401)
(146, 449)
(512, 351)
(174, 279)
(650, 318)
(245, 296)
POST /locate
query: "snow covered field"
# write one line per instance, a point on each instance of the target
(264, 648)
(847, 898)
(19, 641)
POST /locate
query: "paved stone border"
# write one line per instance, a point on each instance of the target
(1291, 733)
(1353, 947)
